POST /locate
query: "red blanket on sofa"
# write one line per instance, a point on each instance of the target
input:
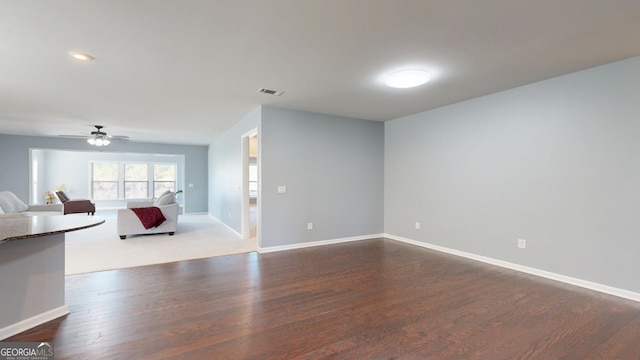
(149, 216)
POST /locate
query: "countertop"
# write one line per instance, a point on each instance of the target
(17, 227)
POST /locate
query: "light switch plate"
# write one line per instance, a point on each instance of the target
(282, 189)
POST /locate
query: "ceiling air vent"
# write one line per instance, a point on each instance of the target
(270, 92)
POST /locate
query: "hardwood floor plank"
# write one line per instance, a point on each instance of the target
(376, 299)
(624, 344)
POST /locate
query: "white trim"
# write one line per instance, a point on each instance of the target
(269, 249)
(525, 269)
(251, 132)
(32, 322)
(245, 226)
(227, 226)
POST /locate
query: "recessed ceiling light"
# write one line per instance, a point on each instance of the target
(407, 78)
(80, 56)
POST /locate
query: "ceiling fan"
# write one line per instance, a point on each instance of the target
(98, 137)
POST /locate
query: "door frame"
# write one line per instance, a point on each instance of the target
(244, 194)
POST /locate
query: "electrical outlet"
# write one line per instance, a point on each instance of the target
(522, 243)
(418, 226)
(309, 226)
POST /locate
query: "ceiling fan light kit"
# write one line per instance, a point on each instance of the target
(99, 137)
(99, 141)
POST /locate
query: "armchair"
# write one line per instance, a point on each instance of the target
(130, 224)
(75, 206)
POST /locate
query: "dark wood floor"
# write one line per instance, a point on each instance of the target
(375, 299)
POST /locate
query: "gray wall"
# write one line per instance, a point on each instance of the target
(333, 170)
(554, 163)
(225, 172)
(14, 162)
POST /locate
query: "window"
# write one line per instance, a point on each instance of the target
(164, 178)
(129, 180)
(104, 180)
(136, 182)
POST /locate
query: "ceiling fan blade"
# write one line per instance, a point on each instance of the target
(76, 136)
(121, 137)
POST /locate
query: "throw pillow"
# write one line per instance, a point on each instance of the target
(155, 200)
(165, 199)
(10, 203)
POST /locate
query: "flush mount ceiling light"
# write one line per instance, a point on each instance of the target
(407, 79)
(80, 56)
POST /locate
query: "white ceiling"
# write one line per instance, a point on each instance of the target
(183, 71)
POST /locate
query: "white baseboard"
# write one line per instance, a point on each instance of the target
(263, 250)
(227, 226)
(32, 322)
(525, 269)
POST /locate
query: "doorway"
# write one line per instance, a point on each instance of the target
(250, 185)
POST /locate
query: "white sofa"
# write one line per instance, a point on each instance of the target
(130, 224)
(10, 205)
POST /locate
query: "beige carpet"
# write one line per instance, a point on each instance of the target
(198, 236)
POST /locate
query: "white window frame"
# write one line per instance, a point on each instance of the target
(121, 179)
(91, 180)
(125, 181)
(153, 181)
